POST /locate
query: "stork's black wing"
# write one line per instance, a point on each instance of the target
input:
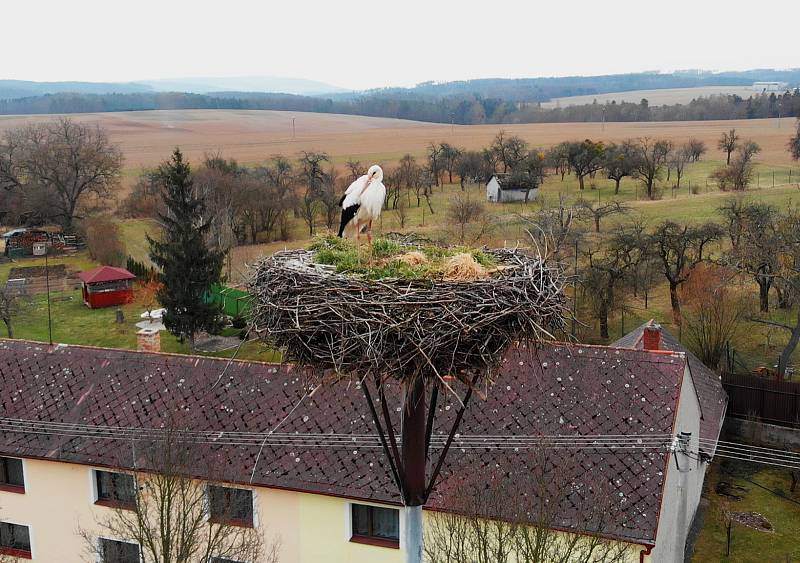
(347, 216)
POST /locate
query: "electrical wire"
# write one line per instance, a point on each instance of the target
(466, 442)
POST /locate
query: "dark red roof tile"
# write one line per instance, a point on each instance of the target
(556, 389)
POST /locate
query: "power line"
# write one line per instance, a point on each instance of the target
(630, 442)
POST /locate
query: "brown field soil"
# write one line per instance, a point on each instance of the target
(660, 97)
(147, 137)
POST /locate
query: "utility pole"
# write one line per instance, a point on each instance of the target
(47, 283)
(293, 135)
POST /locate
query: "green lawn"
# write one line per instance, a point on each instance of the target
(780, 506)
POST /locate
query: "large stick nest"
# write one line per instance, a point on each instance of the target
(400, 328)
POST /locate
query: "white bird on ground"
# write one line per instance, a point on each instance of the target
(362, 203)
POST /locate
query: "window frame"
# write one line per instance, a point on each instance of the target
(111, 502)
(217, 519)
(101, 555)
(10, 487)
(372, 539)
(17, 552)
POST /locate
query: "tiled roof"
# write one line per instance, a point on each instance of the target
(555, 389)
(105, 274)
(710, 393)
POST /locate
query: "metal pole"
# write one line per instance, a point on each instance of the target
(414, 535)
(414, 465)
(47, 282)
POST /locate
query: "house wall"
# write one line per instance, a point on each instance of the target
(59, 502)
(492, 190)
(683, 486)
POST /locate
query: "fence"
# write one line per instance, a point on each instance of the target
(769, 400)
(233, 301)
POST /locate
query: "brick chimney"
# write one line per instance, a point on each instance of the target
(651, 338)
(148, 340)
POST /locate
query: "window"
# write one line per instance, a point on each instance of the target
(375, 525)
(233, 506)
(115, 489)
(15, 540)
(11, 475)
(113, 551)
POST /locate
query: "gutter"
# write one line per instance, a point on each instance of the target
(648, 549)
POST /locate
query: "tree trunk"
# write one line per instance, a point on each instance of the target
(604, 324)
(650, 188)
(675, 302)
(763, 294)
(580, 181)
(9, 328)
(787, 352)
(597, 223)
(728, 163)
(616, 187)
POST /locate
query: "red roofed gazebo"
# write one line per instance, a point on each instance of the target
(106, 286)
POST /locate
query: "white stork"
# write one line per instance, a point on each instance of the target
(362, 203)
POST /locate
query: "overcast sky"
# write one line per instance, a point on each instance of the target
(357, 44)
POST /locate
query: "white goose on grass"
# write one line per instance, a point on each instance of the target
(362, 203)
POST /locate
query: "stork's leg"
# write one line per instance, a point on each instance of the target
(369, 232)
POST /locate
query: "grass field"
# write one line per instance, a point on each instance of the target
(767, 492)
(660, 97)
(147, 137)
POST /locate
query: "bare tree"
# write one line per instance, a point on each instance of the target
(618, 162)
(450, 156)
(516, 515)
(167, 511)
(8, 308)
(680, 247)
(754, 232)
(70, 162)
(713, 312)
(401, 210)
(794, 145)
(678, 159)
(607, 269)
(553, 227)
(355, 168)
(597, 211)
(308, 209)
(330, 196)
(558, 159)
(585, 158)
(650, 162)
(727, 143)
(435, 161)
(696, 149)
(738, 174)
(469, 219)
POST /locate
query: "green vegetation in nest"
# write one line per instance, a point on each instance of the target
(390, 259)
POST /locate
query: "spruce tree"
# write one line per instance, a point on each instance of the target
(188, 266)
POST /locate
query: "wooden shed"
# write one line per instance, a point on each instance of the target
(506, 188)
(106, 286)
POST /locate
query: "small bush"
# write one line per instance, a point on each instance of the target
(238, 321)
(104, 242)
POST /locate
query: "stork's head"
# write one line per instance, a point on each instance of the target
(375, 173)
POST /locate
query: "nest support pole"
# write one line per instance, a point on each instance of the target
(413, 452)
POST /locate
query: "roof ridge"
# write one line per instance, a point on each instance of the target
(56, 345)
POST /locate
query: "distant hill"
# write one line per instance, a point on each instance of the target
(13, 89)
(274, 84)
(546, 88)
(10, 89)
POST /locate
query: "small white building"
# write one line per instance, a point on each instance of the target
(770, 87)
(502, 188)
